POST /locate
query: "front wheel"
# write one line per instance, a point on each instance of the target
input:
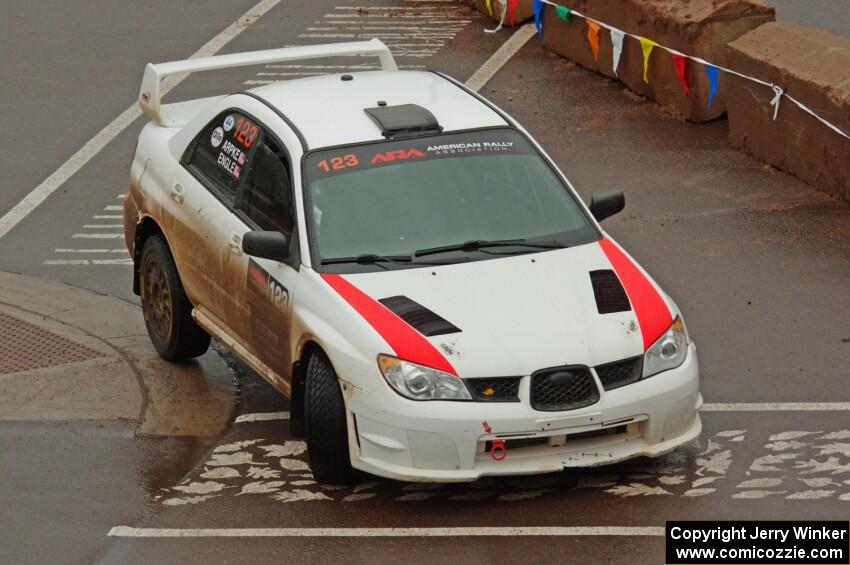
(167, 310)
(326, 426)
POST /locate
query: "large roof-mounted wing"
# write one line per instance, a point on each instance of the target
(150, 96)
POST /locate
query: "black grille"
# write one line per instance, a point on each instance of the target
(423, 320)
(503, 389)
(565, 388)
(609, 293)
(621, 373)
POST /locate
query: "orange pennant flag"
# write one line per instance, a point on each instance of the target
(646, 46)
(593, 38)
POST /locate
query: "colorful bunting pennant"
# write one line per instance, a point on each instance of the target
(681, 63)
(680, 60)
(538, 16)
(646, 46)
(564, 14)
(593, 38)
(617, 37)
(712, 73)
(512, 6)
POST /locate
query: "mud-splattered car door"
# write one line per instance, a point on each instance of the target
(266, 203)
(203, 224)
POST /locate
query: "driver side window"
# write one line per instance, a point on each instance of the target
(267, 193)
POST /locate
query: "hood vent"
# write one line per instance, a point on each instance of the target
(420, 318)
(609, 292)
(404, 120)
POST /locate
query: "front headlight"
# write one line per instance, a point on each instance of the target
(668, 352)
(421, 383)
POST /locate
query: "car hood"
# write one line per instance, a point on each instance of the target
(515, 315)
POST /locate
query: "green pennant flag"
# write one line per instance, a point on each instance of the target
(564, 13)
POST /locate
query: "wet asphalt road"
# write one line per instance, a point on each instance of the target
(757, 261)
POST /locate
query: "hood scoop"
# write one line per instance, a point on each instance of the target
(609, 292)
(420, 318)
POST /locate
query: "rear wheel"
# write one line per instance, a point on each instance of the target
(326, 426)
(167, 310)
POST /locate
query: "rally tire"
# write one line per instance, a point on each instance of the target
(326, 426)
(166, 308)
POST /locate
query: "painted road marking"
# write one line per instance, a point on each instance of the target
(777, 407)
(436, 532)
(708, 407)
(96, 144)
(412, 32)
(502, 55)
(739, 464)
(80, 262)
(124, 251)
(262, 417)
(118, 236)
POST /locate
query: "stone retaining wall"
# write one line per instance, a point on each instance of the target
(696, 27)
(813, 66)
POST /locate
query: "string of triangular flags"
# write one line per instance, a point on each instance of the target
(680, 60)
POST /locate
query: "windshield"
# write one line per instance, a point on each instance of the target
(393, 201)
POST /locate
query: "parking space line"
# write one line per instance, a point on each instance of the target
(96, 144)
(500, 531)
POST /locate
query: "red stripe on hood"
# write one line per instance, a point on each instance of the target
(652, 312)
(407, 343)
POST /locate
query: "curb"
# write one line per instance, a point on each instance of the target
(71, 354)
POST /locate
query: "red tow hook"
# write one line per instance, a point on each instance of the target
(498, 451)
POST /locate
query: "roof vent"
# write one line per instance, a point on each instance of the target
(420, 318)
(609, 292)
(405, 120)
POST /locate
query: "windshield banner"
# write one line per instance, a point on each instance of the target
(358, 158)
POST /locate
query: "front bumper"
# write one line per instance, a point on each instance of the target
(402, 439)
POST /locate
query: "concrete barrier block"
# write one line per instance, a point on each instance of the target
(696, 27)
(524, 10)
(813, 66)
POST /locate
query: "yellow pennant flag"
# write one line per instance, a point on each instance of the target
(593, 38)
(646, 46)
(489, 7)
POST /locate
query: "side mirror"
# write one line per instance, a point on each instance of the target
(271, 245)
(606, 204)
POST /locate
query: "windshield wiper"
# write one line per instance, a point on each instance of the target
(369, 259)
(373, 259)
(478, 244)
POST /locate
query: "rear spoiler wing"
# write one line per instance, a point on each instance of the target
(150, 96)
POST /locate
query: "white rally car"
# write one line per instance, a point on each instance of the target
(396, 255)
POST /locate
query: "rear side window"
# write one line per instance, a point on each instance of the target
(267, 193)
(221, 150)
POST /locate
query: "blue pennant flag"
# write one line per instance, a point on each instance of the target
(538, 16)
(713, 75)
